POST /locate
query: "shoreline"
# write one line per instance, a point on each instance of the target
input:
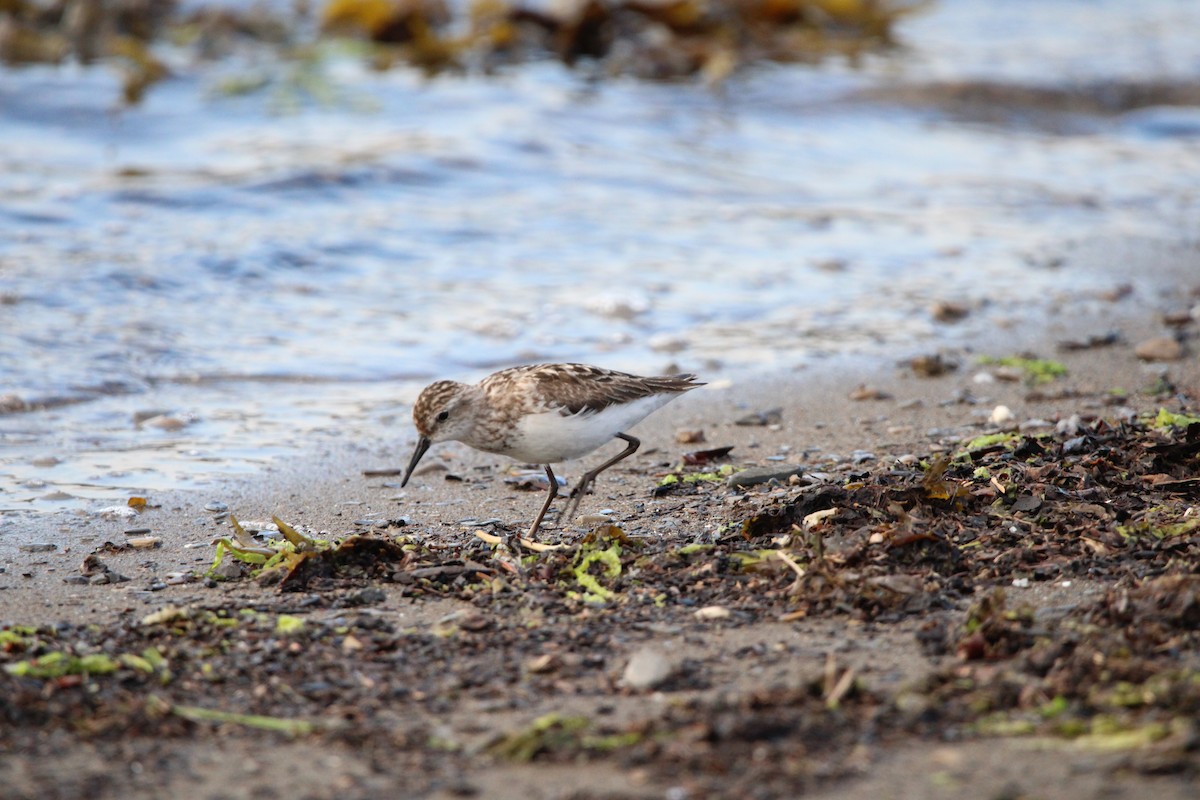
(821, 426)
(528, 651)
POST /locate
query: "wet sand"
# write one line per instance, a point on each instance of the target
(820, 428)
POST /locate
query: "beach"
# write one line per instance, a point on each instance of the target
(431, 665)
(930, 528)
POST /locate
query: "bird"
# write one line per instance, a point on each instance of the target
(543, 414)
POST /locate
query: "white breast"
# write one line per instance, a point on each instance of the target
(549, 437)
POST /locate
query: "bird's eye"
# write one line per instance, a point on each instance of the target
(442, 417)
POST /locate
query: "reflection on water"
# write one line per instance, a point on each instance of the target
(267, 280)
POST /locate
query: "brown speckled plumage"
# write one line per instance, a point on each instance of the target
(543, 413)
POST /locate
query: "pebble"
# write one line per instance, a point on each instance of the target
(149, 413)
(366, 596)
(949, 311)
(1069, 426)
(757, 475)
(228, 569)
(931, 366)
(76, 580)
(46, 461)
(117, 512)
(863, 392)
(144, 542)
(689, 435)
(165, 422)
(1163, 348)
(37, 547)
(1001, 415)
(647, 669)
(216, 508)
(10, 403)
(772, 416)
(712, 612)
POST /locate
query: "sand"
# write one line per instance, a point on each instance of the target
(820, 428)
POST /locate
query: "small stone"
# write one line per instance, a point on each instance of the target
(1070, 426)
(12, 403)
(150, 413)
(228, 569)
(165, 422)
(76, 580)
(647, 669)
(946, 311)
(931, 366)
(46, 461)
(37, 547)
(547, 662)
(1008, 374)
(864, 392)
(216, 508)
(772, 416)
(117, 512)
(689, 435)
(144, 542)
(99, 579)
(1001, 415)
(712, 612)
(1177, 317)
(1118, 292)
(757, 475)
(366, 596)
(1163, 348)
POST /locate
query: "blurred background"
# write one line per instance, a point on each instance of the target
(231, 233)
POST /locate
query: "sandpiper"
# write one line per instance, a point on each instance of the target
(543, 414)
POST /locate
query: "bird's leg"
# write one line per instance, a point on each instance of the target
(586, 481)
(553, 493)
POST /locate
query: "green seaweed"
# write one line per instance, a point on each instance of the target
(1166, 419)
(1035, 370)
(58, 664)
(608, 558)
(292, 727)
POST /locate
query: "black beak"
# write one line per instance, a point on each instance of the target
(422, 445)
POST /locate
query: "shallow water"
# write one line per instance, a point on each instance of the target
(271, 274)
